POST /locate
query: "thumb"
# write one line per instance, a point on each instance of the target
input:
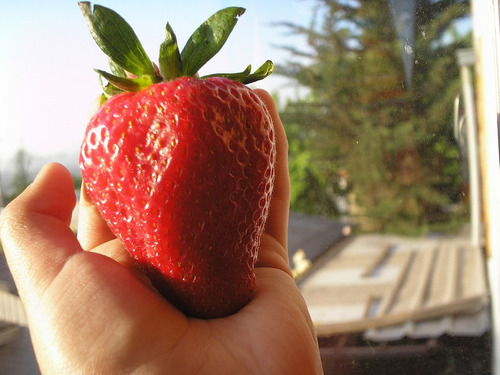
(35, 232)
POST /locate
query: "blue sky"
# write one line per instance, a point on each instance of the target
(47, 56)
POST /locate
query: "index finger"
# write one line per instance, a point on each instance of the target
(273, 250)
(277, 222)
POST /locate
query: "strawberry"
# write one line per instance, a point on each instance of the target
(181, 167)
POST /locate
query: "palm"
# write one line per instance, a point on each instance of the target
(136, 327)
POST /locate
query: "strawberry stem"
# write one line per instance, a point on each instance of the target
(245, 76)
(128, 84)
(118, 41)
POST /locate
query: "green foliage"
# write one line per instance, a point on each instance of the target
(309, 187)
(394, 140)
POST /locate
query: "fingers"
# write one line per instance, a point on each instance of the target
(35, 231)
(95, 235)
(92, 229)
(277, 224)
(275, 239)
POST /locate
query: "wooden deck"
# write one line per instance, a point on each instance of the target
(381, 281)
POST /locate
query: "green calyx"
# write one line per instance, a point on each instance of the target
(119, 42)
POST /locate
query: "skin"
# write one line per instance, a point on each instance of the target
(91, 311)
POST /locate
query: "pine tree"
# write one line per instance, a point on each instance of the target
(363, 115)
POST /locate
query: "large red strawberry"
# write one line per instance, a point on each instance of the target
(181, 167)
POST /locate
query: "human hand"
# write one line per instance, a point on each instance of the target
(90, 310)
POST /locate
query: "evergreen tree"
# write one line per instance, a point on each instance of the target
(392, 136)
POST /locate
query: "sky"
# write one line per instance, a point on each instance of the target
(47, 56)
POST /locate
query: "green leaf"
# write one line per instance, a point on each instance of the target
(234, 76)
(264, 70)
(245, 77)
(170, 57)
(127, 84)
(103, 99)
(116, 70)
(208, 39)
(117, 39)
(109, 90)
